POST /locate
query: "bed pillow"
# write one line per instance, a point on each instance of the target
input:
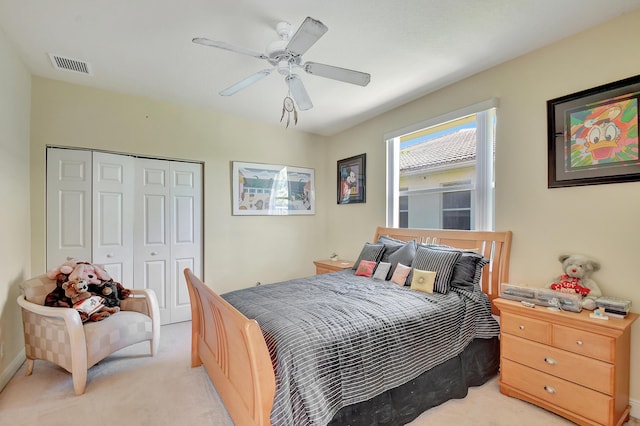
(423, 280)
(391, 245)
(381, 271)
(440, 261)
(468, 270)
(404, 255)
(371, 252)
(400, 274)
(366, 268)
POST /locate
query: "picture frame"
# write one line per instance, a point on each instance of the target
(272, 190)
(592, 135)
(351, 182)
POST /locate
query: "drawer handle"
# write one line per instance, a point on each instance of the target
(550, 389)
(550, 361)
(521, 327)
(579, 343)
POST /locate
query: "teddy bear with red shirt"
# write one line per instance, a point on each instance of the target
(577, 278)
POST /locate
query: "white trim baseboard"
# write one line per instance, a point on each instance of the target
(12, 369)
(635, 408)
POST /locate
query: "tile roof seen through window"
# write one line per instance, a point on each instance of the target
(448, 149)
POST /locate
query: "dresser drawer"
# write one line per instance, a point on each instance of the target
(584, 343)
(579, 369)
(525, 327)
(553, 390)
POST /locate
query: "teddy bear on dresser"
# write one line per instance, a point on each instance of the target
(577, 278)
(90, 307)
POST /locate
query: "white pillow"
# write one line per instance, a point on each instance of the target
(381, 271)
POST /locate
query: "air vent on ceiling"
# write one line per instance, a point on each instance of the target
(68, 64)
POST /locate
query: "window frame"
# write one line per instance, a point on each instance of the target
(483, 198)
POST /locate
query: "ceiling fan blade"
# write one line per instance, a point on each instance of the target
(337, 73)
(229, 47)
(298, 92)
(245, 82)
(306, 36)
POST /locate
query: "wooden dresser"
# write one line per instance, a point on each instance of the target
(328, 265)
(566, 362)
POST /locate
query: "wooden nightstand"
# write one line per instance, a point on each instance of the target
(328, 265)
(566, 362)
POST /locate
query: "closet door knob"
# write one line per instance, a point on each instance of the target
(109, 254)
(154, 253)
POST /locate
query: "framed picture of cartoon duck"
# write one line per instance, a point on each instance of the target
(593, 135)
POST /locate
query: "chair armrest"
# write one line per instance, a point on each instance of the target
(143, 301)
(73, 323)
(70, 316)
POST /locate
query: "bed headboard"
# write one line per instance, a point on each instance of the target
(495, 246)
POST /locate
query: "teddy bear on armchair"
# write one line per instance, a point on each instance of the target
(577, 278)
(90, 307)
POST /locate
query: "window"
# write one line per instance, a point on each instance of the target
(440, 172)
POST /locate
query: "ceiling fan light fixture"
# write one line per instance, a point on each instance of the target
(298, 92)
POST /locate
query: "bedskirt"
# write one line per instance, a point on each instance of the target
(479, 362)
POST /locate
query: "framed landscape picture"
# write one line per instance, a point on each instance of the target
(272, 189)
(352, 180)
(593, 135)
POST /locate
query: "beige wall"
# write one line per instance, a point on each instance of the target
(601, 220)
(239, 250)
(15, 87)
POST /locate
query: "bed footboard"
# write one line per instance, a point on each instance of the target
(234, 353)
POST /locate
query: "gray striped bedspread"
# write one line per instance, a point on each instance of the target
(337, 339)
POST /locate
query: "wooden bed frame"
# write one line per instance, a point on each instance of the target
(235, 355)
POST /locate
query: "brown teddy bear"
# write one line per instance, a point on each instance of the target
(90, 307)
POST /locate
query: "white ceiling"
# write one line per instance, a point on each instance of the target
(410, 47)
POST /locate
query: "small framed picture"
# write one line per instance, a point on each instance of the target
(352, 179)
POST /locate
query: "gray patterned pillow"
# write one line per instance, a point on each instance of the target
(391, 245)
(440, 261)
(371, 252)
(468, 269)
(404, 255)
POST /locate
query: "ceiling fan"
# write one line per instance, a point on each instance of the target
(285, 55)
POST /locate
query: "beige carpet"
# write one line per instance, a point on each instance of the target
(131, 388)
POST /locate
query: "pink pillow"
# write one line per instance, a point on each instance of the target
(400, 274)
(365, 268)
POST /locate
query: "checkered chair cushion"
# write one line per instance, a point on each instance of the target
(59, 336)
